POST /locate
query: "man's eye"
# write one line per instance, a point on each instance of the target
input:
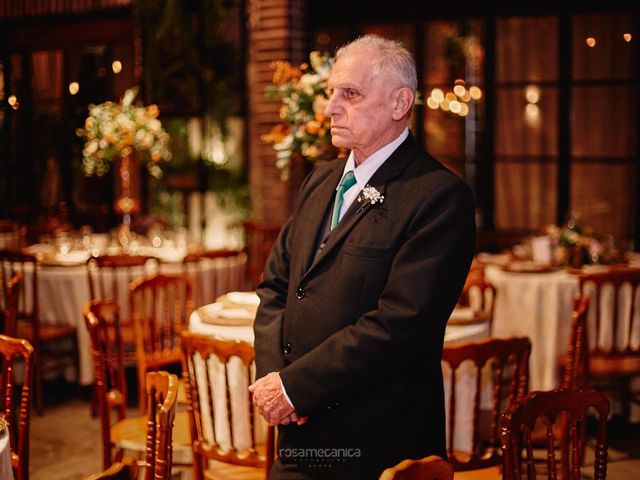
(351, 93)
(331, 90)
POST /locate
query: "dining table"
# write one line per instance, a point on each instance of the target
(537, 301)
(63, 290)
(231, 318)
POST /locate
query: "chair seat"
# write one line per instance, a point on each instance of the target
(482, 474)
(47, 332)
(131, 433)
(226, 471)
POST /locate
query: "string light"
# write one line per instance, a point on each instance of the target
(74, 87)
(591, 42)
(627, 37)
(116, 66)
(455, 101)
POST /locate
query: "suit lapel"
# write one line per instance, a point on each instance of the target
(393, 166)
(315, 210)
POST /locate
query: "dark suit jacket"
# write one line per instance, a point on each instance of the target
(356, 332)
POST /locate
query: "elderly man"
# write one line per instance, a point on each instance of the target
(360, 284)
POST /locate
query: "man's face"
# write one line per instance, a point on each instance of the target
(360, 106)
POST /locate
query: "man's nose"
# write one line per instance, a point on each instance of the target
(332, 106)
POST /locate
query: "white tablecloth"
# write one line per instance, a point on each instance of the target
(63, 291)
(537, 305)
(454, 333)
(5, 457)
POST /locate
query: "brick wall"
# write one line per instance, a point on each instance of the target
(276, 32)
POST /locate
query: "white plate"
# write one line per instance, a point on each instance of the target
(244, 298)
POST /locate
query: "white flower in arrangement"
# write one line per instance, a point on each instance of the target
(369, 196)
(115, 130)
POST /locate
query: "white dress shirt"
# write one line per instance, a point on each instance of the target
(366, 169)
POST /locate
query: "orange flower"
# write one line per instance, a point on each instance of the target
(313, 127)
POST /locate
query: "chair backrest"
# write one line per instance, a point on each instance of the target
(160, 310)
(551, 407)
(577, 365)
(12, 262)
(215, 272)
(162, 394)
(10, 305)
(127, 469)
(218, 373)
(109, 276)
(432, 467)
(260, 237)
(480, 296)
(12, 351)
(614, 311)
(506, 361)
(102, 319)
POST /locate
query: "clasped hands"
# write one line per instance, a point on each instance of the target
(270, 400)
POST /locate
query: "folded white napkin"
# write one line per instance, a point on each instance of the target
(244, 298)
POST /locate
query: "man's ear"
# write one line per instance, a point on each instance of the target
(403, 101)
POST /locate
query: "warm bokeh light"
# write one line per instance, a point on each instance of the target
(532, 115)
(437, 95)
(74, 87)
(12, 100)
(627, 37)
(591, 42)
(454, 106)
(459, 90)
(432, 103)
(444, 105)
(116, 66)
(102, 72)
(323, 39)
(464, 110)
(450, 96)
(459, 81)
(475, 93)
(532, 93)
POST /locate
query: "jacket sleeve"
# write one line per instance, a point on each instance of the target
(424, 282)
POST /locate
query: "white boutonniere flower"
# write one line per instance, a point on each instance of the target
(369, 196)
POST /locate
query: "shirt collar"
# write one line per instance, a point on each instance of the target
(366, 169)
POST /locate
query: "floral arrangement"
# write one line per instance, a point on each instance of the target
(115, 130)
(575, 245)
(304, 128)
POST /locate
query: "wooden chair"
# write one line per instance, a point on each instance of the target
(109, 277)
(244, 447)
(117, 431)
(574, 365)
(127, 469)
(56, 345)
(549, 407)
(612, 317)
(10, 298)
(160, 309)
(480, 296)
(260, 238)
(162, 395)
(508, 361)
(428, 468)
(12, 351)
(214, 273)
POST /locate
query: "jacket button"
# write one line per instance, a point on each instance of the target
(300, 293)
(287, 348)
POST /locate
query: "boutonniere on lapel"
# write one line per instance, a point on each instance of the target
(369, 196)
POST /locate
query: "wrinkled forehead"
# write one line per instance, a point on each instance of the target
(353, 69)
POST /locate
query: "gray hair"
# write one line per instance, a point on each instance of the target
(389, 56)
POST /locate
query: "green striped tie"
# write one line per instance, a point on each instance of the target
(347, 182)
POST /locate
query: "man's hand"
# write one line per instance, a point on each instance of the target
(269, 399)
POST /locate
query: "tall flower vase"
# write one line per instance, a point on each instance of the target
(127, 187)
